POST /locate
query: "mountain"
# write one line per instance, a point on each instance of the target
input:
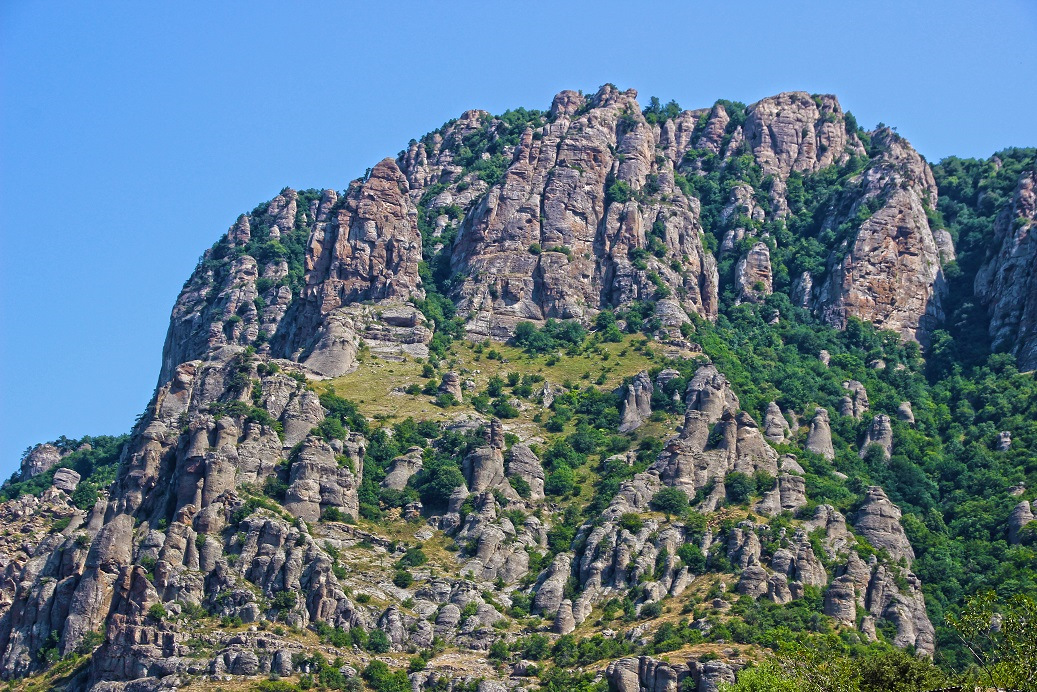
(554, 393)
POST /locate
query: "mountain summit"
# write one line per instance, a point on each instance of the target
(549, 395)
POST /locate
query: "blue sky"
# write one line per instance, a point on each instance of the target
(132, 134)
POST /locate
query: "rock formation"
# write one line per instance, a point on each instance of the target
(1007, 281)
(1021, 516)
(879, 432)
(878, 520)
(819, 440)
(776, 427)
(637, 403)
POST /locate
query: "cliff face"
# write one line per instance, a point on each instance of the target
(1007, 282)
(891, 274)
(581, 209)
(289, 280)
(229, 488)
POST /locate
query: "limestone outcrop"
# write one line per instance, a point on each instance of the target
(1007, 281)
(819, 440)
(637, 403)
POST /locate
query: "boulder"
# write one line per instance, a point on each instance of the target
(66, 479)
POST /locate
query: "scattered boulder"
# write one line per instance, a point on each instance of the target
(905, 413)
(1004, 441)
(66, 479)
(451, 384)
(402, 468)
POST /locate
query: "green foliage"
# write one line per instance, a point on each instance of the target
(412, 557)
(439, 476)
(670, 501)
(553, 335)
(382, 679)
(96, 467)
(658, 113)
(378, 642)
(1001, 636)
(739, 487)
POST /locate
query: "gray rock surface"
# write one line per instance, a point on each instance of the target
(819, 440)
(878, 521)
(637, 403)
(1020, 517)
(879, 432)
(1007, 281)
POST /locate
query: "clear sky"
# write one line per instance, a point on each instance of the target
(132, 134)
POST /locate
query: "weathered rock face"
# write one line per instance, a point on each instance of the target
(637, 403)
(891, 273)
(484, 466)
(523, 463)
(588, 214)
(1021, 516)
(555, 194)
(819, 440)
(855, 403)
(776, 427)
(40, 459)
(1007, 281)
(402, 468)
(451, 385)
(753, 274)
(879, 432)
(878, 520)
(793, 132)
(364, 246)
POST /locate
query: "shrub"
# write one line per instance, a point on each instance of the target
(378, 642)
(670, 501)
(631, 522)
(403, 578)
(412, 557)
(740, 487)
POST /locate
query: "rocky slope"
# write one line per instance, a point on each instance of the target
(259, 517)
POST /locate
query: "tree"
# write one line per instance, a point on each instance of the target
(670, 501)
(739, 487)
(1001, 636)
(378, 642)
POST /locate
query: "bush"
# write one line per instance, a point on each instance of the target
(412, 557)
(740, 487)
(670, 501)
(437, 479)
(378, 642)
(631, 522)
(381, 679)
(157, 611)
(403, 578)
(284, 600)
